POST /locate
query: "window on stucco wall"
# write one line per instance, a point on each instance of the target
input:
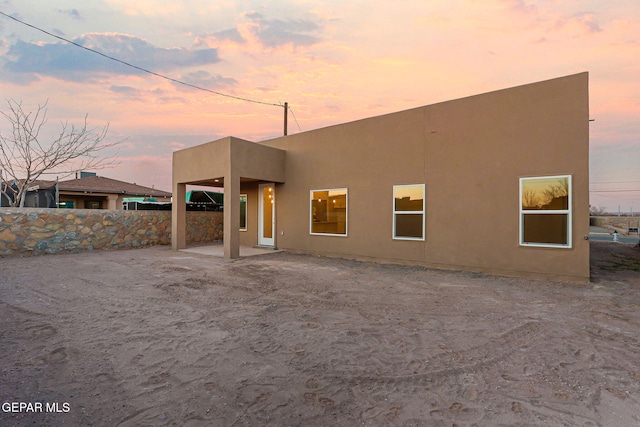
(243, 212)
(545, 211)
(328, 212)
(409, 212)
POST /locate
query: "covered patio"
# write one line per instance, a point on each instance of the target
(225, 163)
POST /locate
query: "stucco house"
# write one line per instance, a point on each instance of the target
(496, 183)
(99, 192)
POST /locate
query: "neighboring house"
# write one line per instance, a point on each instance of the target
(89, 192)
(496, 182)
(98, 192)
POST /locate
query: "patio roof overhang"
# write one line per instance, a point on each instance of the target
(212, 163)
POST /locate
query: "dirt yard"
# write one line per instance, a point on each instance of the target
(153, 337)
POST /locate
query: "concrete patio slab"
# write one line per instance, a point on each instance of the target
(218, 250)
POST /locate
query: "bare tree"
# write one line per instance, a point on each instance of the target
(597, 211)
(553, 191)
(530, 199)
(25, 158)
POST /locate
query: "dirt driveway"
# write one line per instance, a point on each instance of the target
(154, 337)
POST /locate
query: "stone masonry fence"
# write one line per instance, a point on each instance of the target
(625, 225)
(35, 231)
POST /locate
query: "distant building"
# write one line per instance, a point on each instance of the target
(88, 192)
(98, 192)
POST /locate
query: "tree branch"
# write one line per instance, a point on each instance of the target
(25, 158)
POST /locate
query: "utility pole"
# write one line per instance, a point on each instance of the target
(286, 110)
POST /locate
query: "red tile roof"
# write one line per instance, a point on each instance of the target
(100, 184)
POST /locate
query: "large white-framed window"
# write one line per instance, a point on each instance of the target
(545, 211)
(409, 212)
(328, 212)
(243, 212)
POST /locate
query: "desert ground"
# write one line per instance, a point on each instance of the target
(152, 337)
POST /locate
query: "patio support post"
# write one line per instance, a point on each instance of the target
(231, 234)
(179, 217)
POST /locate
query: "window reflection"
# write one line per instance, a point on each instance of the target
(545, 211)
(545, 193)
(408, 212)
(243, 212)
(329, 212)
(267, 212)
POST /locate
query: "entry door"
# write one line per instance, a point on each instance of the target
(266, 215)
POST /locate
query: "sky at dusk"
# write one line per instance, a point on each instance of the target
(332, 61)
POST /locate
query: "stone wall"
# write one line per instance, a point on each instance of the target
(203, 227)
(41, 231)
(622, 224)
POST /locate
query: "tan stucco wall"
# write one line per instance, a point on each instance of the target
(250, 236)
(470, 154)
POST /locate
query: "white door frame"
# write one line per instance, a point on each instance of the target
(263, 233)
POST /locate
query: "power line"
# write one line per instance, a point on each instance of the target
(615, 182)
(138, 68)
(296, 119)
(615, 191)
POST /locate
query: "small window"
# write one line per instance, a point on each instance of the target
(329, 212)
(545, 211)
(243, 212)
(408, 212)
